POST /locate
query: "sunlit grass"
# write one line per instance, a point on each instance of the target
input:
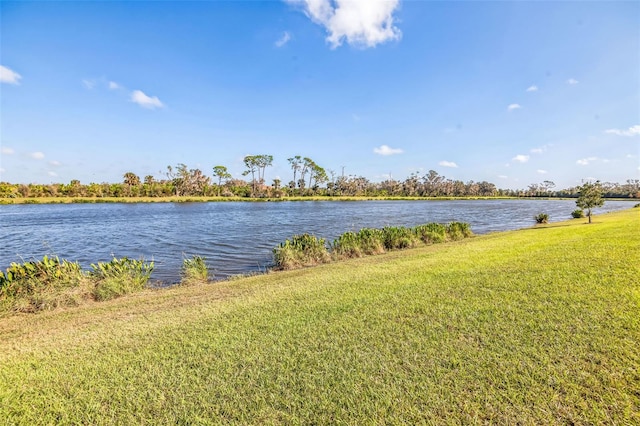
(539, 326)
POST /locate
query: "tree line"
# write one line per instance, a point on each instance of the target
(308, 179)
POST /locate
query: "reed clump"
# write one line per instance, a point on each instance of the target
(307, 250)
(119, 277)
(300, 251)
(38, 285)
(194, 270)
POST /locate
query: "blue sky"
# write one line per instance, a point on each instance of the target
(509, 92)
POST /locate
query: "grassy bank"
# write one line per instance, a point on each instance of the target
(538, 326)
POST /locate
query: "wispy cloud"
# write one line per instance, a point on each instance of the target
(586, 161)
(52, 174)
(360, 23)
(445, 163)
(533, 88)
(632, 131)
(7, 75)
(572, 81)
(521, 158)
(114, 86)
(503, 176)
(284, 39)
(149, 102)
(6, 150)
(513, 107)
(540, 149)
(386, 150)
(37, 155)
(88, 84)
(55, 163)
(542, 172)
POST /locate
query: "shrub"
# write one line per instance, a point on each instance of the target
(301, 250)
(119, 277)
(541, 218)
(346, 246)
(398, 237)
(431, 233)
(194, 270)
(458, 230)
(40, 284)
(577, 214)
(371, 241)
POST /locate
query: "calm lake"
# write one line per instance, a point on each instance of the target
(235, 237)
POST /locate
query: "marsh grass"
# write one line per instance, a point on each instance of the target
(41, 285)
(431, 233)
(194, 270)
(303, 250)
(538, 326)
(541, 218)
(119, 277)
(346, 246)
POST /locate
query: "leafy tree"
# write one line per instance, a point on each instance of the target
(296, 165)
(590, 197)
(131, 179)
(256, 164)
(132, 183)
(221, 173)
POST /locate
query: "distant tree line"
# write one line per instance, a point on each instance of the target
(308, 179)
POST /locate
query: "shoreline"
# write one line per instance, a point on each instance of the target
(205, 199)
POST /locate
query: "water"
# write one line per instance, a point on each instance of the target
(235, 237)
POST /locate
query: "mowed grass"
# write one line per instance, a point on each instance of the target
(538, 326)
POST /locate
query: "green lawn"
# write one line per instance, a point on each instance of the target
(538, 326)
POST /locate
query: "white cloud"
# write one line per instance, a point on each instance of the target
(8, 75)
(631, 156)
(533, 88)
(586, 161)
(88, 84)
(632, 131)
(513, 107)
(540, 149)
(386, 150)
(542, 172)
(445, 163)
(2, 170)
(55, 163)
(572, 81)
(52, 174)
(520, 158)
(360, 23)
(150, 102)
(284, 39)
(6, 150)
(114, 86)
(37, 155)
(503, 176)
